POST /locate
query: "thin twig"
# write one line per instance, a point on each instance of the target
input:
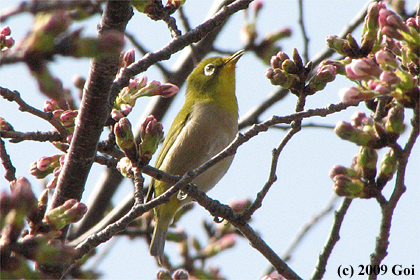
(307, 226)
(35, 7)
(217, 209)
(140, 48)
(24, 107)
(304, 35)
(332, 239)
(17, 136)
(7, 163)
(272, 178)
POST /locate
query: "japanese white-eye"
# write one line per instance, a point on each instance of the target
(206, 124)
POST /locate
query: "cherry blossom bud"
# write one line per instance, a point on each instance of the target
(180, 274)
(386, 58)
(125, 139)
(129, 57)
(341, 170)
(366, 161)
(351, 94)
(70, 212)
(151, 135)
(389, 78)
(395, 120)
(362, 69)
(344, 186)
(51, 105)
(388, 167)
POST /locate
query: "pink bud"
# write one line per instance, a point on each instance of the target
(413, 22)
(43, 163)
(166, 90)
(389, 77)
(385, 58)
(6, 31)
(129, 57)
(50, 105)
(68, 115)
(363, 69)
(351, 94)
(383, 89)
(357, 118)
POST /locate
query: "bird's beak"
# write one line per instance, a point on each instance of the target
(234, 58)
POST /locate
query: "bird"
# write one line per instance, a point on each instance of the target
(205, 125)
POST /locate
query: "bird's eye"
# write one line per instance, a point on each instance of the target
(209, 69)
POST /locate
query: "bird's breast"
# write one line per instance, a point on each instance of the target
(207, 131)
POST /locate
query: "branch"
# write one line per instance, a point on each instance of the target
(306, 227)
(35, 7)
(304, 35)
(7, 163)
(219, 210)
(17, 136)
(93, 112)
(332, 239)
(138, 209)
(387, 208)
(24, 107)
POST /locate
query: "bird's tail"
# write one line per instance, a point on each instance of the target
(158, 242)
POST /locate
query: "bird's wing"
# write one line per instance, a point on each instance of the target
(176, 128)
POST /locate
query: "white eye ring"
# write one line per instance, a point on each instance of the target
(209, 69)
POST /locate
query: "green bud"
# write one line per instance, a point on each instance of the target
(341, 170)
(341, 46)
(344, 186)
(324, 75)
(395, 120)
(125, 139)
(388, 167)
(164, 275)
(290, 67)
(346, 131)
(151, 135)
(143, 6)
(366, 161)
(70, 212)
(297, 59)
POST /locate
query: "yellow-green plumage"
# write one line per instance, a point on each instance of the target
(206, 124)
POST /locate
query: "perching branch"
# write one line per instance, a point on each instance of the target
(105, 234)
(332, 239)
